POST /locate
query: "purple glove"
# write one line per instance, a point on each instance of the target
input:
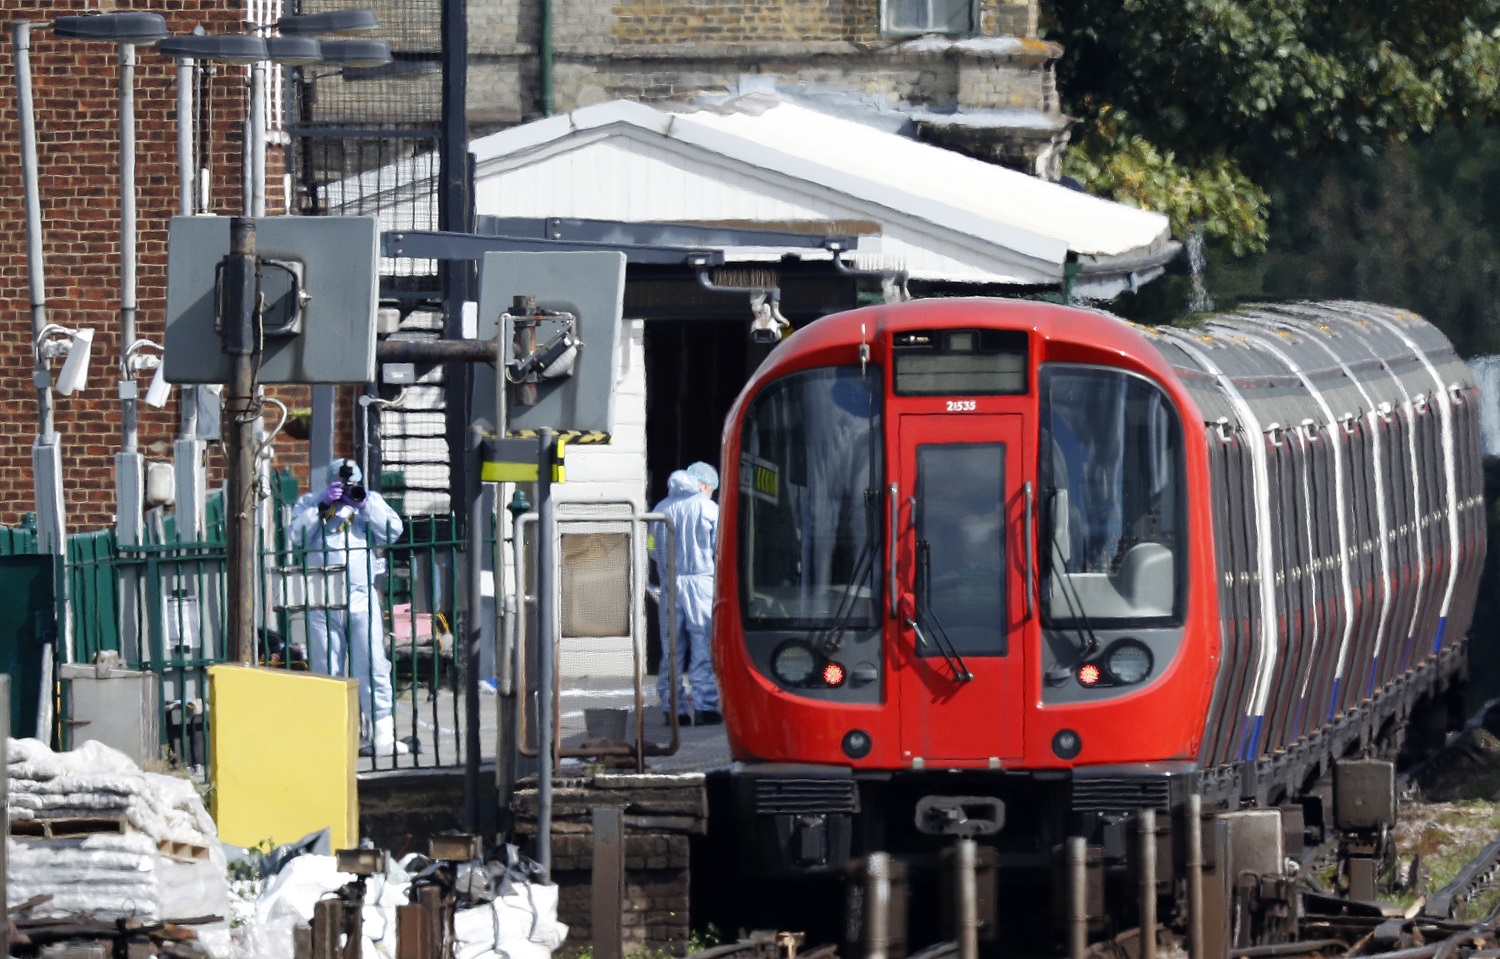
(332, 494)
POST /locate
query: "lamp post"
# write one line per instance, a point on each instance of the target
(125, 31)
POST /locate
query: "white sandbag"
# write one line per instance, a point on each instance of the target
(289, 899)
(522, 924)
(130, 874)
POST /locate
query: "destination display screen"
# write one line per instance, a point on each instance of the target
(961, 362)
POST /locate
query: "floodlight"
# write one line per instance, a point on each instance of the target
(328, 22)
(112, 27)
(235, 48)
(294, 51)
(357, 53)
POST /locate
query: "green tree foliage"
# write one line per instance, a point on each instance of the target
(1198, 103)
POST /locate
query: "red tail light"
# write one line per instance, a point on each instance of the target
(833, 674)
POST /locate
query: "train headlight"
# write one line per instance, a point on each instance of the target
(1128, 661)
(794, 662)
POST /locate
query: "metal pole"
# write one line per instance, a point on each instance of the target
(478, 527)
(877, 905)
(967, 934)
(238, 323)
(36, 266)
(186, 452)
(1148, 883)
(507, 617)
(1194, 837)
(546, 636)
(129, 467)
(454, 213)
(1078, 896)
(185, 129)
(127, 247)
(258, 138)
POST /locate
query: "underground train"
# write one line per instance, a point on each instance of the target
(1014, 571)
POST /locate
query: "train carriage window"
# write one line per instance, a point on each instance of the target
(810, 472)
(1113, 515)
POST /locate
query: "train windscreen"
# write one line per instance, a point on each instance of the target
(1111, 470)
(809, 519)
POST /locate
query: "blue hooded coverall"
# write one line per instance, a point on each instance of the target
(355, 635)
(695, 517)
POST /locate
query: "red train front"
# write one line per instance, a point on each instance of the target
(968, 584)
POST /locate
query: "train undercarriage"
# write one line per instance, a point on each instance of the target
(1060, 860)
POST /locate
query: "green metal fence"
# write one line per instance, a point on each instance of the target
(162, 607)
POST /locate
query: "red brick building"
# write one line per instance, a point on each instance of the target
(76, 108)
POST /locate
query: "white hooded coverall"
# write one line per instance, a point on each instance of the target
(695, 517)
(356, 635)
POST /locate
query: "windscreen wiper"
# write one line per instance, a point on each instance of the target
(924, 612)
(1085, 630)
(831, 638)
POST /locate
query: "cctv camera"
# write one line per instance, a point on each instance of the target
(75, 371)
(160, 389)
(765, 333)
(768, 324)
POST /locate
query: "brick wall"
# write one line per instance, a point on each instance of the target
(74, 87)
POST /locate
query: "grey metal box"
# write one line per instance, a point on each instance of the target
(338, 257)
(1364, 793)
(114, 706)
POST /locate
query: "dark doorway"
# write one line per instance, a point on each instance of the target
(694, 371)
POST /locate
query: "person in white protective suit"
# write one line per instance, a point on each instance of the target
(341, 527)
(695, 517)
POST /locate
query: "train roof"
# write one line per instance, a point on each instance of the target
(1360, 357)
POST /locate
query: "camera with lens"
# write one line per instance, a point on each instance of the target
(354, 491)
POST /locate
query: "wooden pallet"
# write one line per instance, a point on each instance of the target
(68, 827)
(78, 827)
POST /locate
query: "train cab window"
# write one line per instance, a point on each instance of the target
(1111, 471)
(809, 500)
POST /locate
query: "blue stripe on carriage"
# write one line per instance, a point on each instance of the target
(1333, 702)
(1437, 641)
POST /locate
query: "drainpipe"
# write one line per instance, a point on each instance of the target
(544, 55)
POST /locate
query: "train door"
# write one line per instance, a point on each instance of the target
(962, 586)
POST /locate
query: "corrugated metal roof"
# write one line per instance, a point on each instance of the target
(943, 215)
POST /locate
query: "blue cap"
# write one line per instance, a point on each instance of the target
(332, 470)
(705, 474)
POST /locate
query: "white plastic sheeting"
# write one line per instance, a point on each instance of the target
(520, 924)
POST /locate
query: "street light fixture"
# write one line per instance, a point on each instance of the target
(357, 53)
(328, 23)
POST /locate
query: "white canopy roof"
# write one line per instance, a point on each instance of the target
(757, 158)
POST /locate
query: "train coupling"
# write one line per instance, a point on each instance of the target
(964, 817)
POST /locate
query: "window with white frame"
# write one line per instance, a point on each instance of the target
(929, 16)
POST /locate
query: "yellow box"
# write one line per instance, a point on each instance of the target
(285, 753)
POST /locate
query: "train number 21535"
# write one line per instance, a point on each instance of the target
(962, 406)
